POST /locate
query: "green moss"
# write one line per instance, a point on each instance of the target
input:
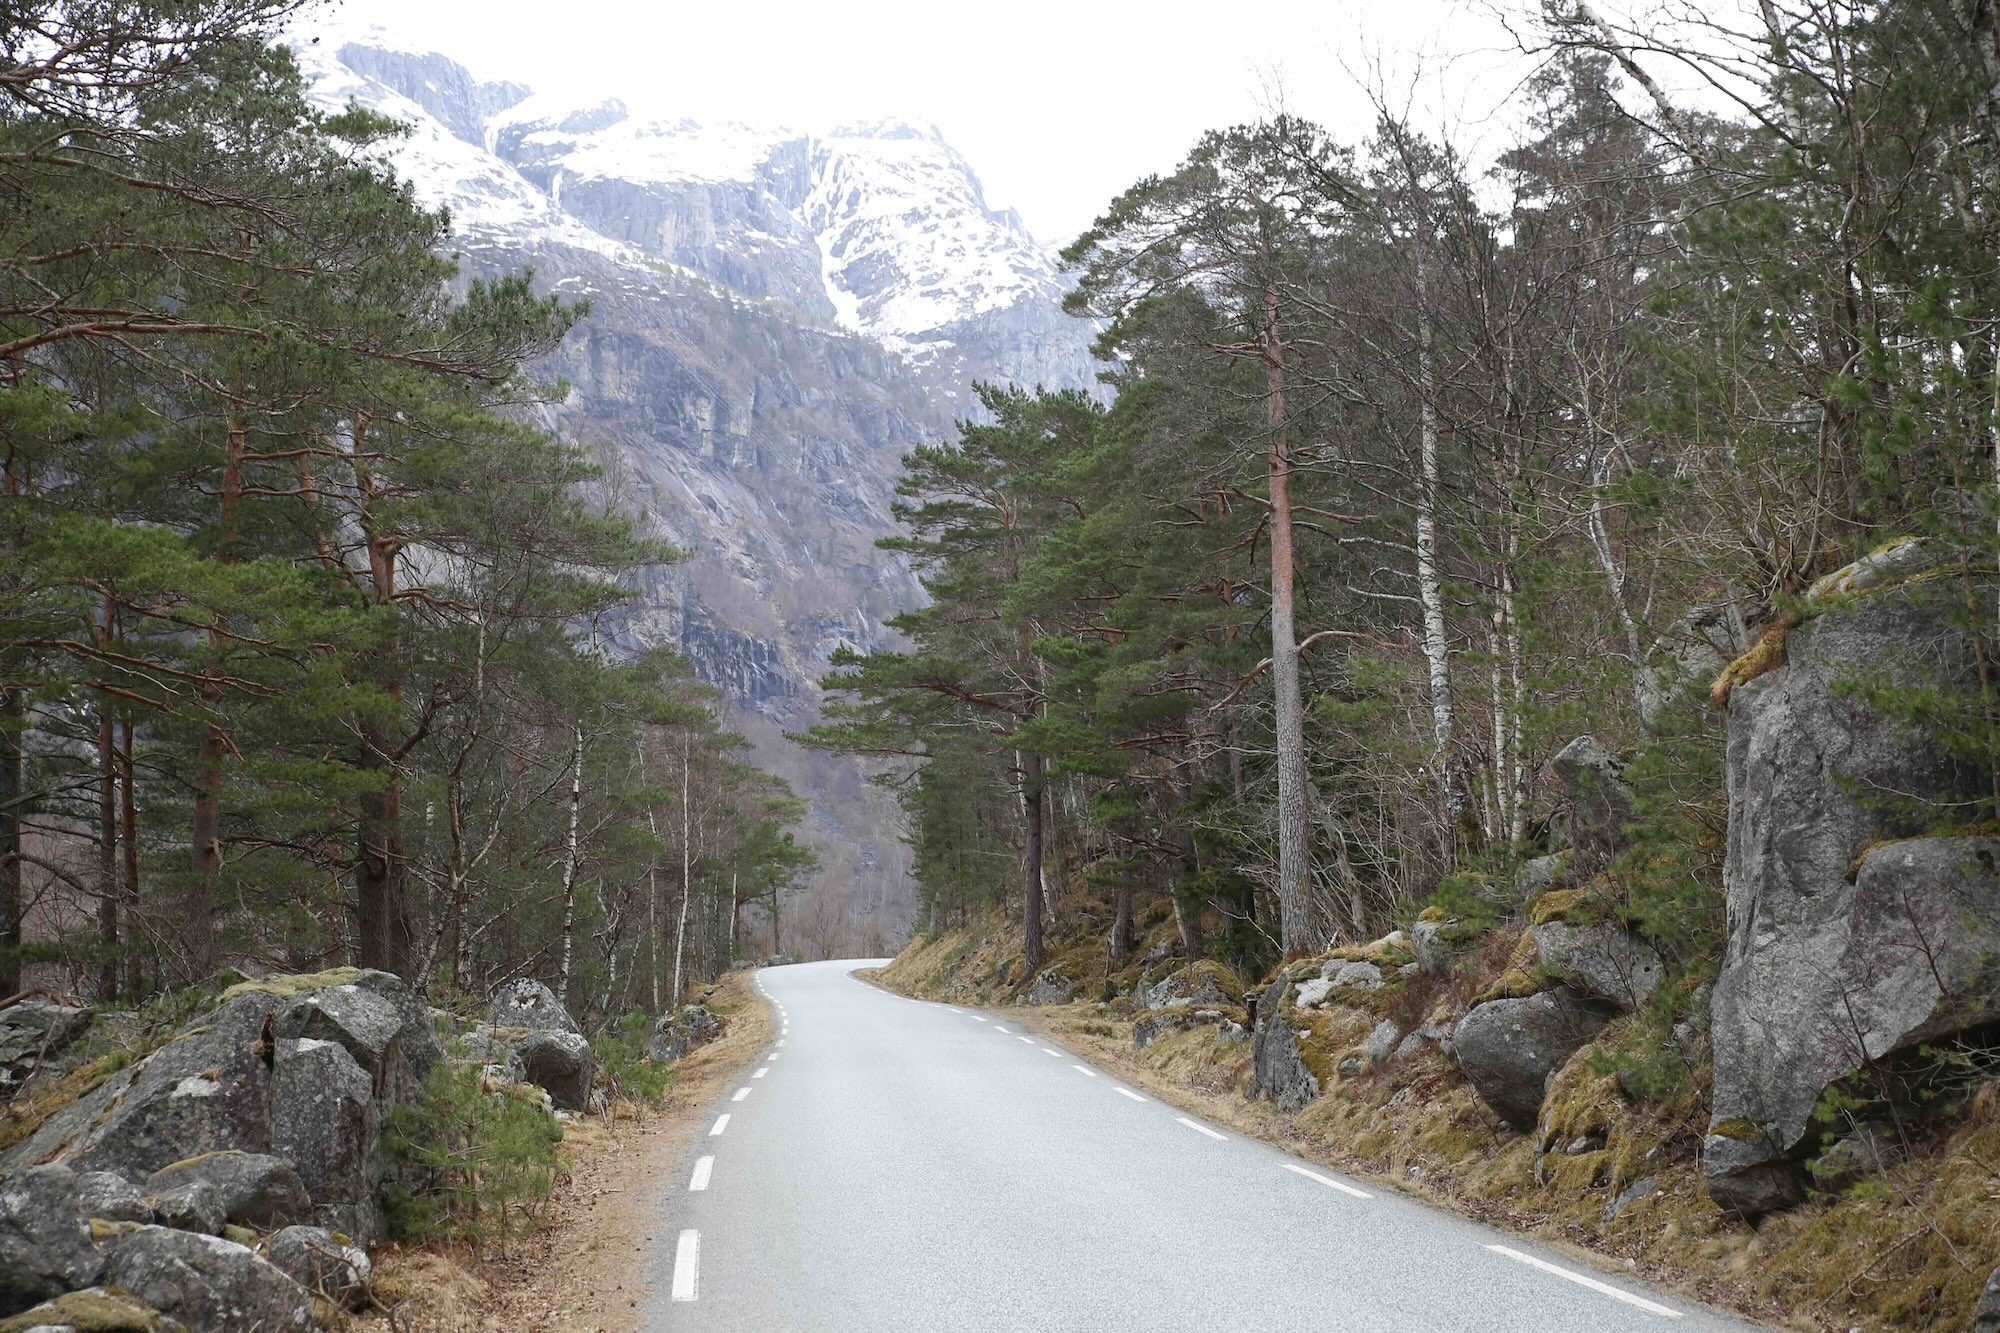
(1764, 657)
(1434, 913)
(1737, 1127)
(1389, 952)
(291, 986)
(1572, 905)
(103, 1232)
(94, 1311)
(1521, 977)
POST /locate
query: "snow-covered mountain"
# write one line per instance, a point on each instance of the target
(881, 229)
(777, 317)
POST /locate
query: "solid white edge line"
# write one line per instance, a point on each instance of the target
(699, 1180)
(760, 1073)
(720, 1125)
(1087, 1073)
(687, 1265)
(1200, 1128)
(1129, 1093)
(1605, 1288)
(1328, 1181)
(741, 1093)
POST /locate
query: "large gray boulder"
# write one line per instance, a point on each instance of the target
(325, 1121)
(1689, 655)
(1986, 1313)
(559, 1063)
(207, 1090)
(1601, 959)
(1051, 986)
(363, 1023)
(1509, 1048)
(1913, 954)
(529, 1004)
(417, 1040)
(1823, 971)
(111, 1198)
(255, 1190)
(316, 1259)
(96, 1310)
(678, 1033)
(32, 1031)
(207, 1282)
(1598, 800)
(1278, 1068)
(45, 1246)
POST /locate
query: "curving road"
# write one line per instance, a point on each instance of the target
(897, 1165)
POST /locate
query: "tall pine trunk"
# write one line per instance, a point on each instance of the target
(687, 878)
(1294, 834)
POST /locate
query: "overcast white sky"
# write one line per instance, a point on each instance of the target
(1058, 104)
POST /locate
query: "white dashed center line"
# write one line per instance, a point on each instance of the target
(1002, 1027)
(687, 1265)
(720, 1125)
(1087, 1073)
(1048, 1050)
(1029, 1040)
(699, 1180)
(1127, 1092)
(760, 1073)
(741, 1093)
(1328, 1181)
(1602, 1287)
(975, 1018)
(1200, 1128)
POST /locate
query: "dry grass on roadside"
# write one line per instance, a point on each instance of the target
(584, 1269)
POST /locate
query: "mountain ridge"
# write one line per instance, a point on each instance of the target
(777, 318)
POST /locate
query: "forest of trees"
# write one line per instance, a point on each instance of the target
(299, 608)
(1413, 470)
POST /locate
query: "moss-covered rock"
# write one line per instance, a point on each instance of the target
(93, 1310)
(293, 985)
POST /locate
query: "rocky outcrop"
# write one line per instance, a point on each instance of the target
(93, 1310)
(45, 1242)
(1841, 950)
(1051, 986)
(559, 1063)
(529, 1004)
(206, 1282)
(1601, 959)
(205, 1091)
(325, 1120)
(675, 1034)
(317, 1260)
(1986, 1314)
(1598, 801)
(1278, 1067)
(1200, 983)
(254, 1190)
(1508, 1048)
(111, 1198)
(32, 1031)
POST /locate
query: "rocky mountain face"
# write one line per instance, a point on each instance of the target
(776, 319)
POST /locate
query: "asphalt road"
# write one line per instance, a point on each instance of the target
(897, 1165)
